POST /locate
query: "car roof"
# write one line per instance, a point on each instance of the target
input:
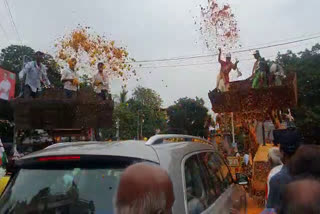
(131, 148)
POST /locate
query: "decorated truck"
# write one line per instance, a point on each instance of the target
(244, 106)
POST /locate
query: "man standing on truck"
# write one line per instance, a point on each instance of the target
(36, 73)
(260, 71)
(226, 66)
(70, 80)
(101, 83)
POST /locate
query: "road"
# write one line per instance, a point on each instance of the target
(253, 207)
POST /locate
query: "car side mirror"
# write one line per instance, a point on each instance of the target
(242, 179)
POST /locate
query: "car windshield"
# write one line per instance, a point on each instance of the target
(61, 191)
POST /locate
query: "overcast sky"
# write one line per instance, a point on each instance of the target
(153, 29)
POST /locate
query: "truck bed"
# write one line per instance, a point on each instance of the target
(53, 111)
(243, 98)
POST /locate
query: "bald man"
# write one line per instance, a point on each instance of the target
(144, 188)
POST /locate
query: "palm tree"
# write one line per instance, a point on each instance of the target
(123, 95)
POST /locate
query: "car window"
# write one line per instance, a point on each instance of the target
(212, 175)
(194, 186)
(61, 191)
(225, 172)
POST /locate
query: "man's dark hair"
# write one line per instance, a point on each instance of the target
(100, 63)
(39, 53)
(306, 161)
(289, 139)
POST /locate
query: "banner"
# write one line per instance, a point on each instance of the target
(7, 84)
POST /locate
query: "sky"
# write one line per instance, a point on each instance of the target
(151, 29)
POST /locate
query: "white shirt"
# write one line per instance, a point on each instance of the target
(103, 79)
(35, 75)
(246, 158)
(69, 74)
(5, 87)
(272, 172)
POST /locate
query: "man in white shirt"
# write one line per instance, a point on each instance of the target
(70, 79)
(100, 82)
(36, 73)
(5, 87)
(274, 157)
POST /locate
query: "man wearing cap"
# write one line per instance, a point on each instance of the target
(226, 67)
(36, 73)
(259, 71)
(290, 140)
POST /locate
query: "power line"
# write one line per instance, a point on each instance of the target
(204, 63)
(12, 21)
(4, 32)
(236, 51)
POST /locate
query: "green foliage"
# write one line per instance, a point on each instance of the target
(188, 116)
(53, 71)
(147, 97)
(307, 66)
(123, 95)
(127, 121)
(85, 81)
(144, 108)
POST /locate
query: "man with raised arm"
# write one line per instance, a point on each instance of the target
(223, 79)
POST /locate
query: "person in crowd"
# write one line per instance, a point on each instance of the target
(100, 82)
(290, 140)
(257, 56)
(226, 67)
(36, 74)
(259, 72)
(274, 157)
(144, 188)
(306, 161)
(301, 196)
(70, 79)
(5, 87)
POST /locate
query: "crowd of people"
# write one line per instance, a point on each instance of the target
(294, 185)
(35, 77)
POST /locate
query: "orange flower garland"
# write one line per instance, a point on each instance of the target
(90, 49)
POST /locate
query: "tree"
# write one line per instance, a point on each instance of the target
(306, 64)
(53, 71)
(123, 95)
(141, 113)
(147, 97)
(188, 116)
(146, 105)
(85, 81)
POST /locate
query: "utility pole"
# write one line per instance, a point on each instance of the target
(263, 134)
(118, 129)
(138, 127)
(142, 121)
